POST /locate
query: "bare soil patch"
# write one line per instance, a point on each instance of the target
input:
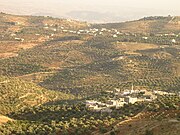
(4, 119)
(132, 47)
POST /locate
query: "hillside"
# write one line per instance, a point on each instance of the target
(148, 25)
(50, 69)
(30, 30)
(17, 94)
(158, 118)
(86, 61)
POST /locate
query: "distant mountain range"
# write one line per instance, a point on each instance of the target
(82, 13)
(97, 17)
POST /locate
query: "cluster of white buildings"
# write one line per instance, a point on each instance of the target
(120, 99)
(94, 32)
(163, 93)
(168, 34)
(114, 33)
(91, 31)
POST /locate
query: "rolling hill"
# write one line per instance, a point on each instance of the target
(49, 67)
(148, 25)
(70, 56)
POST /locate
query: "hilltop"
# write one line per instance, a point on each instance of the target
(30, 30)
(170, 24)
(20, 20)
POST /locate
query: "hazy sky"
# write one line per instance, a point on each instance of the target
(125, 8)
(162, 4)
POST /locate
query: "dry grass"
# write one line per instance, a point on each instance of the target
(159, 128)
(139, 124)
(10, 49)
(149, 121)
(132, 47)
(174, 24)
(4, 119)
(65, 23)
(7, 55)
(19, 19)
(137, 26)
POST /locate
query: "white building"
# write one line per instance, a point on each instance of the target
(173, 41)
(46, 27)
(131, 100)
(115, 36)
(103, 29)
(62, 27)
(145, 38)
(19, 39)
(65, 30)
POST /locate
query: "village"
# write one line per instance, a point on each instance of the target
(55, 29)
(121, 98)
(114, 33)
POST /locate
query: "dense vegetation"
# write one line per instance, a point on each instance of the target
(68, 118)
(17, 94)
(65, 119)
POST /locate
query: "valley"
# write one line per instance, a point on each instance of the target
(54, 71)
